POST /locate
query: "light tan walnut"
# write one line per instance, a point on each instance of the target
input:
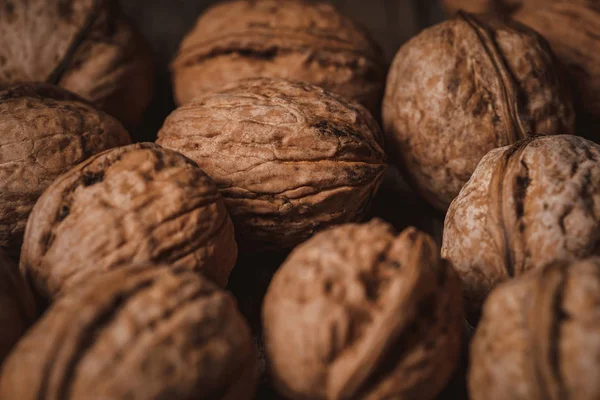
(539, 337)
(44, 131)
(289, 158)
(463, 88)
(138, 203)
(147, 332)
(357, 312)
(525, 206)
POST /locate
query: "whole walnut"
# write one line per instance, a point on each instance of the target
(85, 46)
(289, 158)
(463, 88)
(138, 203)
(17, 305)
(538, 338)
(146, 332)
(44, 131)
(357, 312)
(573, 30)
(298, 40)
(525, 206)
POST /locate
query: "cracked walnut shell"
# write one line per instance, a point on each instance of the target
(297, 40)
(45, 131)
(148, 332)
(525, 206)
(17, 305)
(463, 88)
(138, 203)
(357, 312)
(538, 338)
(84, 46)
(289, 158)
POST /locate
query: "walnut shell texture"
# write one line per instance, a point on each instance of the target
(17, 305)
(289, 158)
(85, 46)
(296, 39)
(573, 30)
(45, 131)
(463, 88)
(146, 332)
(539, 336)
(525, 206)
(357, 312)
(138, 203)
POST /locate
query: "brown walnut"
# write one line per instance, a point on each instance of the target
(525, 206)
(85, 46)
(17, 305)
(484, 6)
(147, 332)
(463, 88)
(357, 312)
(45, 131)
(138, 203)
(538, 338)
(573, 30)
(296, 39)
(289, 158)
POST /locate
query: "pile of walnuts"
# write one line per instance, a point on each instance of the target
(115, 256)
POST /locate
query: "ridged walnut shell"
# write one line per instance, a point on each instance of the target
(360, 313)
(136, 333)
(539, 336)
(573, 30)
(463, 88)
(525, 206)
(296, 39)
(289, 158)
(85, 46)
(138, 203)
(44, 131)
(17, 305)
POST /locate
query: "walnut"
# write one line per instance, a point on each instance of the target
(147, 332)
(138, 203)
(484, 6)
(296, 39)
(17, 305)
(289, 158)
(85, 46)
(462, 88)
(45, 131)
(578, 49)
(359, 313)
(538, 338)
(525, 206)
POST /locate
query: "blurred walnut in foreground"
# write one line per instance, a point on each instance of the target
(539, 336)
(295, 39)
(85, 46)
(357, 312)
(289, 158)
(146, 332)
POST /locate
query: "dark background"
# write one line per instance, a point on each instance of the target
(391, 23)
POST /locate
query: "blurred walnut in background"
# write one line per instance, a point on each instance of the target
(85, 46)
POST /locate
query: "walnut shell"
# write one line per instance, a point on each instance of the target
(289, 158)
(484, 6)
(463, 88)
(136, 333)
(573, 30)
(138, 203)
(85, 46)
(296, 39)
(17, 305)
(525, 206)
(359, 313)
(538, 338)
(45, 131)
